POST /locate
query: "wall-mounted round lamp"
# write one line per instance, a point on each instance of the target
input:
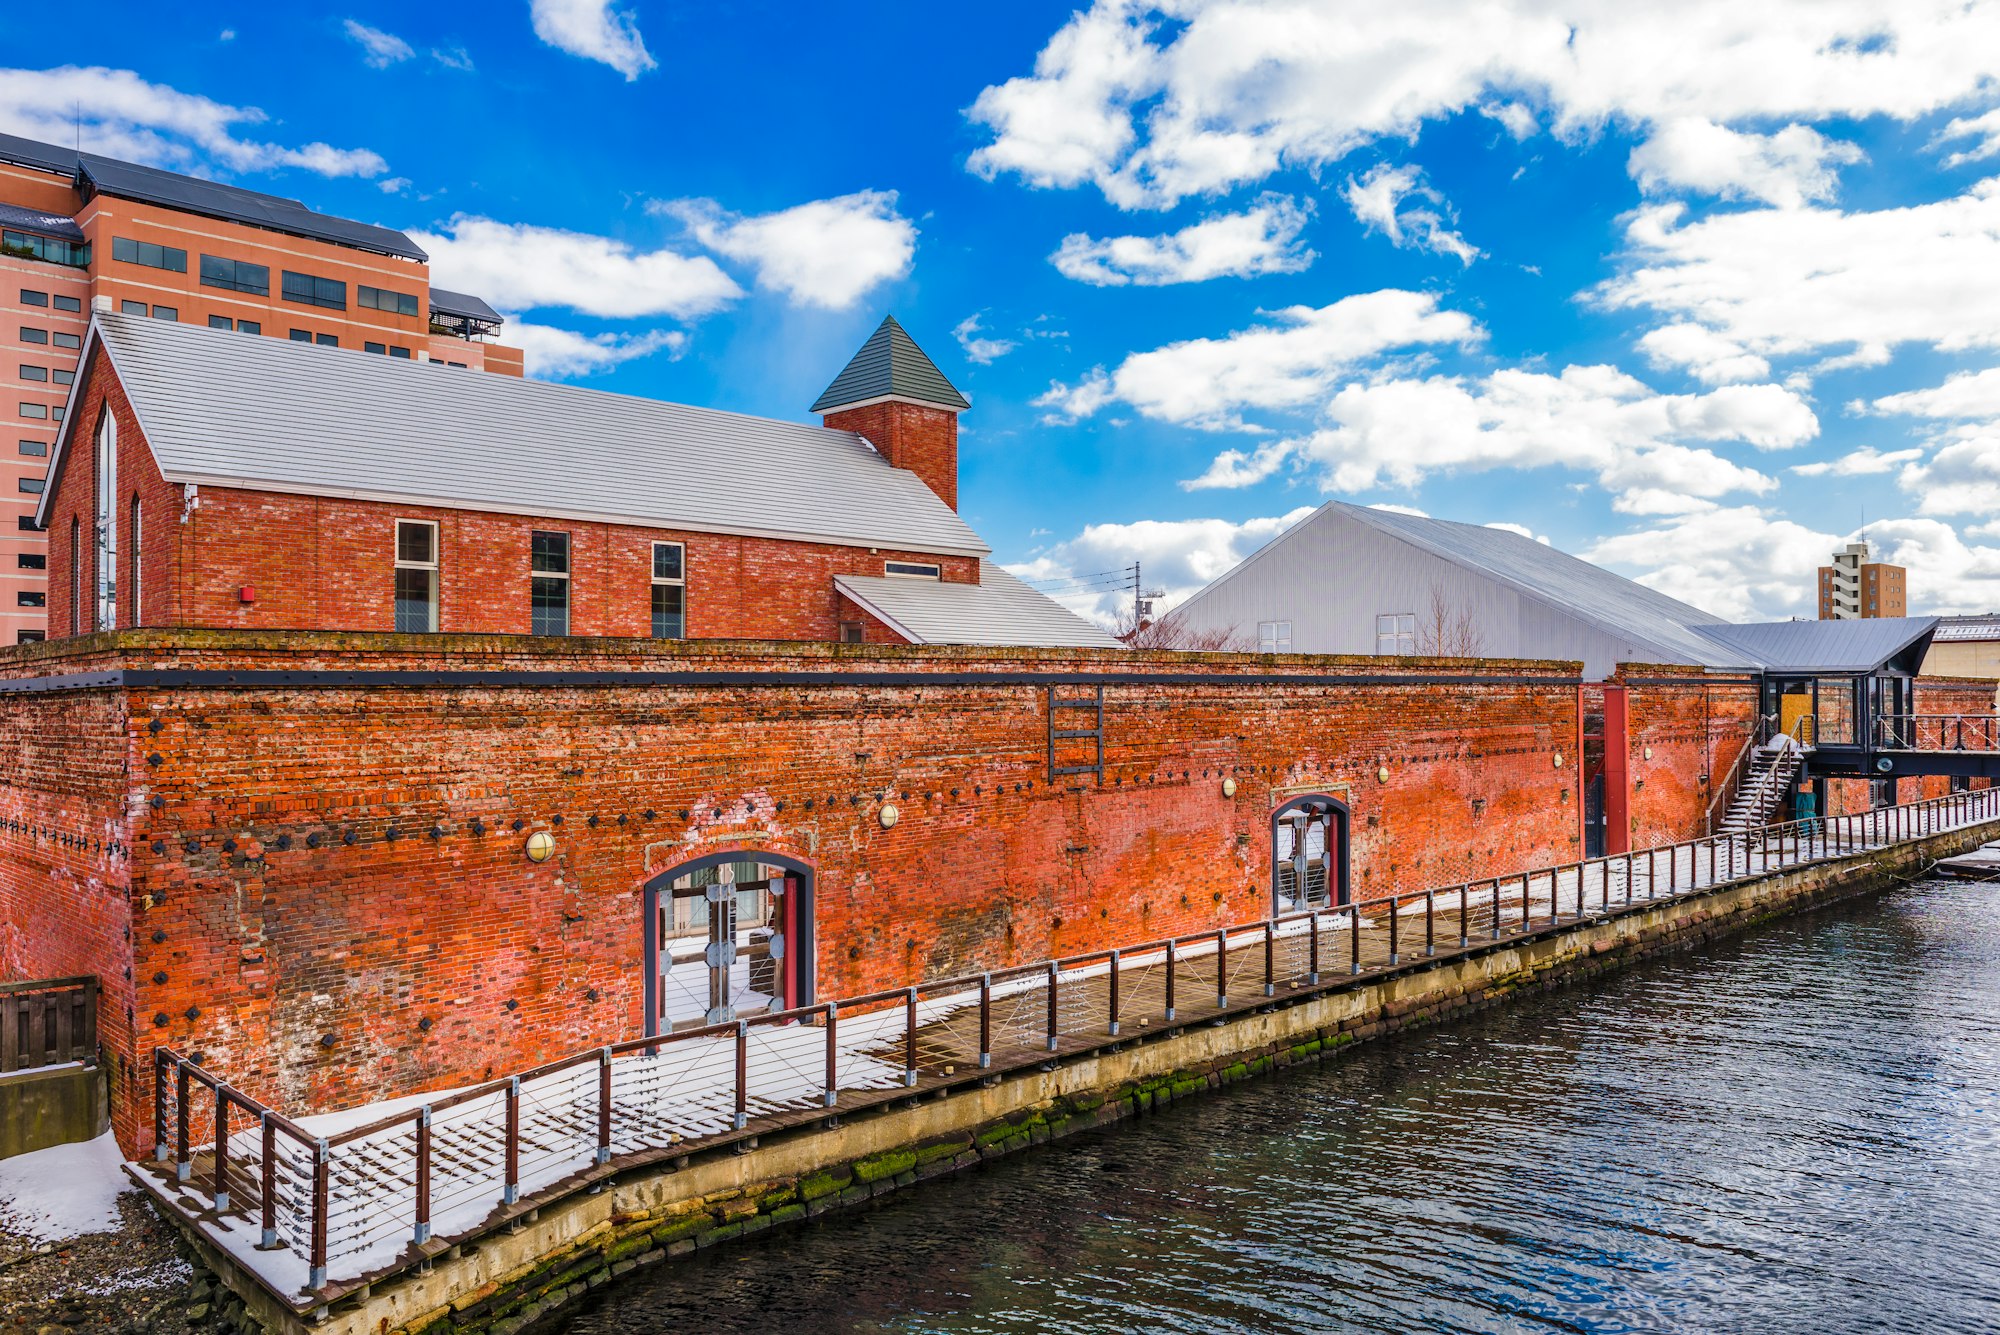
(1229, 787)
(541, 846)
(1559, 760)
(1649, 753)
(889, 815)
(1382, 775)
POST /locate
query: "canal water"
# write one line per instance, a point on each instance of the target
(1794, 1130)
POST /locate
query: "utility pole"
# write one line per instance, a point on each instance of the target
(1138, 609)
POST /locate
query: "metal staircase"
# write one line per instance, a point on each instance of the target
(1774, 768)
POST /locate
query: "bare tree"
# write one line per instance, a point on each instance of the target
(1448, 629)
(1172, 631)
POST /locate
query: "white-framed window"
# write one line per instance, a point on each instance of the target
(548, 583)
(107, 523)
(913, 569)
(1396, 634)
(669, 591)
(1274, 637)
(133, 560)
(416, 575)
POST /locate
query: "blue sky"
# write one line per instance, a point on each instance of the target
(1693, 290)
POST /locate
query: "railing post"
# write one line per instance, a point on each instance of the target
(1172, 969)
(1222, 969)
(511, 1189)
(160, 1104)
(1496, 908)
(986, 1020)
(1395, 903)
(1312, 952)
(1430, 919)
(322, 1175)
(221, 1189)
(742, 1114)
(1353, 937)
(268, 1189)
(604, 1105)
(422, 1233)
(1054, 1028)
(182, 1168)
(833, 1047)
(1270, 959)
(1465, 915)
(1112, 1009)
(910, 1038)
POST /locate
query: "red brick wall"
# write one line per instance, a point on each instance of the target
(269, 944)
(909, 435)
(1684, 741)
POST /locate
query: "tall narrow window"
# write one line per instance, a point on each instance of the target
(669, 591)
(107, 523)
(416, 575)
(548, 583)
(133, 577)
(75, 576)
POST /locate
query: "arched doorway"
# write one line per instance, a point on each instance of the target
(1309, 854)
(728, 935)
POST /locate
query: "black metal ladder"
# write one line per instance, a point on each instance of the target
(1094, 733)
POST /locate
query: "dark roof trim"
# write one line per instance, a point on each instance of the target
(444, 302)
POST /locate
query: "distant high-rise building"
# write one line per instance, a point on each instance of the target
(1853, 586)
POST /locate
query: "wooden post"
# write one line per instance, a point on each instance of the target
(220, 1191)
(422, 1233)
(604, 1105)
(832, 1054)
(511, 1189)
(268, 1190)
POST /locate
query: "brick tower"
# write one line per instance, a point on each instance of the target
(894, 396)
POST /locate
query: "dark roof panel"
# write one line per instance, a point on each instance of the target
(890, 364)
(34, 220)
(460, 304)
(129, 180)
(36, 154)
(1859, 644)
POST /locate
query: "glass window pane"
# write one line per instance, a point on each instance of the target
(549, 552)
(666, 560)
(416, 600)
(549, 605)
(249, 327)
(413, 542)
(669, 612)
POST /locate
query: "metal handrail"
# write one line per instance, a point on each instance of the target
(1486, 908)
(1954, 732)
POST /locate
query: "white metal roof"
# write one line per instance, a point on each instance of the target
(1000, 609)
(238, 410)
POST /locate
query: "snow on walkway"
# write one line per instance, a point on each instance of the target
(64, 1191)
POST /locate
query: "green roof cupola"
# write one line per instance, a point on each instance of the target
(893, 395)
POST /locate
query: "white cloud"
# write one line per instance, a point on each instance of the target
(453, 58)
(1208, 382)
(1780, 282)
(1704, 354)
(1154, 103)
(1593, 418)
(1967, 394)
(379, 50)
(1984, 128)
(1380, 201)
(125, 116)
(1177, 555)
(1742, 562)
(1264, 239)
(594, 29)
(1962, 477)
(521, 267)
(1785, 168)
(1522, 529)
(980, 351)
(1947, 574)
(828, 253)
(560, 354)
(1864, 462)
(393, 185)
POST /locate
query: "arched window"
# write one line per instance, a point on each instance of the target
(76, 626)
(1309, 854)
(133, 577)
(107, 523)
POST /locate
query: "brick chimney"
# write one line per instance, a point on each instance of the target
(892, 394)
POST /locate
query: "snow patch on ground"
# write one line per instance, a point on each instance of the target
(64, 1191)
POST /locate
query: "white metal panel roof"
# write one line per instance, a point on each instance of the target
(1000, 609)
(230, 409)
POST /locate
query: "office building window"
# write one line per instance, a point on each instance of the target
(72, 304)
(27, 524)
(26, 599)
(380, 349)
(913, 569)
(32, 561)
(302, 336)
(62, 377)
(381, 299)
(326, 340)
(149, 253)
(1396, 634)
(34, 335)
(669, 591)
(70, 341)
(38, 411)
(249, 327)
(1274, 637)
(235, 275)
(398, 351)
(30, 636)
(35, 449)
(30, 485)
(38, 374)
(416, 575)
(131, 308)
(30, 297)
(57, 414)
(51, 250)
(166, 313)
(548, 583)
(309, 290)
(133, 577)
(221, 322)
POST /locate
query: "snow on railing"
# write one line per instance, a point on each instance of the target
(340, 1197)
